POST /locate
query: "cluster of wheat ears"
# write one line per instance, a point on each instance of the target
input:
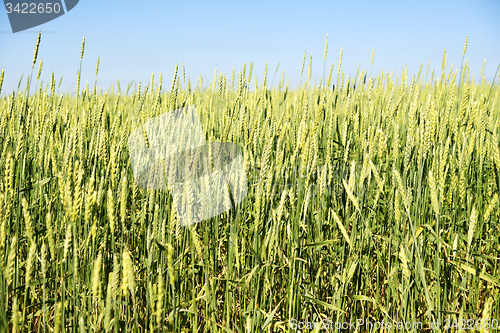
(368, 197)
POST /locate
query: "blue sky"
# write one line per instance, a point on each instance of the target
(135, 38)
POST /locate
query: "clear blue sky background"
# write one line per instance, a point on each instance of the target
(135, 38)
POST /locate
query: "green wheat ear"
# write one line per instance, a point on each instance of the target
(2, 73)
(35, 54)
(326, 47)
(83, 48)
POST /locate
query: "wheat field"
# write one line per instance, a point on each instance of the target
(371, 198)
